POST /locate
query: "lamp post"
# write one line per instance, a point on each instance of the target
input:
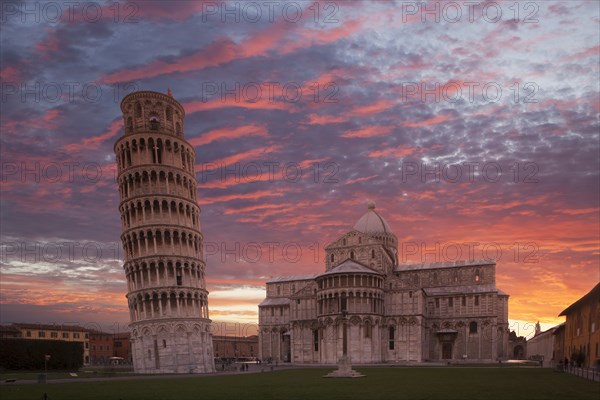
(46, 358)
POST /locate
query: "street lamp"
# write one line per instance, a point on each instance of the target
(46, 358)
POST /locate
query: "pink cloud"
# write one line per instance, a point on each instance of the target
(427, 122)
(95, 141)
(228, 134)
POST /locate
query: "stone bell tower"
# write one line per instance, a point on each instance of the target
(162, 241)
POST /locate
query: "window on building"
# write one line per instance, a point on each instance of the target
(476, 300)
(86, 336)
(28, 333)
(437, 303)
(42, 334)
(101, 348)
(280, 311)
(65, 335)
(410, 294)
(278, 290)
(450, 302)
(149, 354)
(54, 334)
(272, 311)
(332, 258)
(316, 340)
(372, 253)
(392, 334)
(367, 329)
(344, 302)
(473, 327)
(75, 335)
(93, 347)
(87, 345)
(359, 240)
(118, 344)
(164, 344)
(179, 280)
(464, 301)
(352, 255)
(138, 110)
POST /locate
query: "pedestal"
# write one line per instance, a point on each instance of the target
(344, 370)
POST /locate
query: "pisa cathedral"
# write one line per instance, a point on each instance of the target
(393, 313)
(162, 241)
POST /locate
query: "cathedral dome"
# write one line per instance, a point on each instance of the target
(372, 222)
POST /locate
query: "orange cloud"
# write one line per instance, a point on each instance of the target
(398, 152)
(369, 131)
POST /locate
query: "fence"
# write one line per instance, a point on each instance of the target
(592, 374)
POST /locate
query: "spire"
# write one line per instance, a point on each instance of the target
(169, 92)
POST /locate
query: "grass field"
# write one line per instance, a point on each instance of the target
(308, 384)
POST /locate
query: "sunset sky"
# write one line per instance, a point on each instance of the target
(476, 135)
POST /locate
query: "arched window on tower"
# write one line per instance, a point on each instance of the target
(332, 258)
(178, 129)
(352, 255)
(154, 122)
(138, 110)
(169, 113)
(373, 253)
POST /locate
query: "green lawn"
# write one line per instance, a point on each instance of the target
(308, 384)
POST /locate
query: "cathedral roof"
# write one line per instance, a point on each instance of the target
(462, 289)
(447, 264)
(350, 266)
(292, 278)
(372, 222)
(275, 301)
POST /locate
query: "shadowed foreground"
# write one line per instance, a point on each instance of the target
(379, 383)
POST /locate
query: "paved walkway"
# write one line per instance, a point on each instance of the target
(253, 368)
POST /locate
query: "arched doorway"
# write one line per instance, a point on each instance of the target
(518, 352)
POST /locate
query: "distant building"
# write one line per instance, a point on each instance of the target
(582, 330)
(122, 347)
(68, 333)
(541, 347)
(101, 347)
(9, 332)
(236, 347)
(388, 312)
(559, 343)
(517, 346)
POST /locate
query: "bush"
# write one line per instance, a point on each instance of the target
(30, 354)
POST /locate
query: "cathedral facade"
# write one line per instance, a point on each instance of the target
(392, 313)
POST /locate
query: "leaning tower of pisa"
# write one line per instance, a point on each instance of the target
(162, 241)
